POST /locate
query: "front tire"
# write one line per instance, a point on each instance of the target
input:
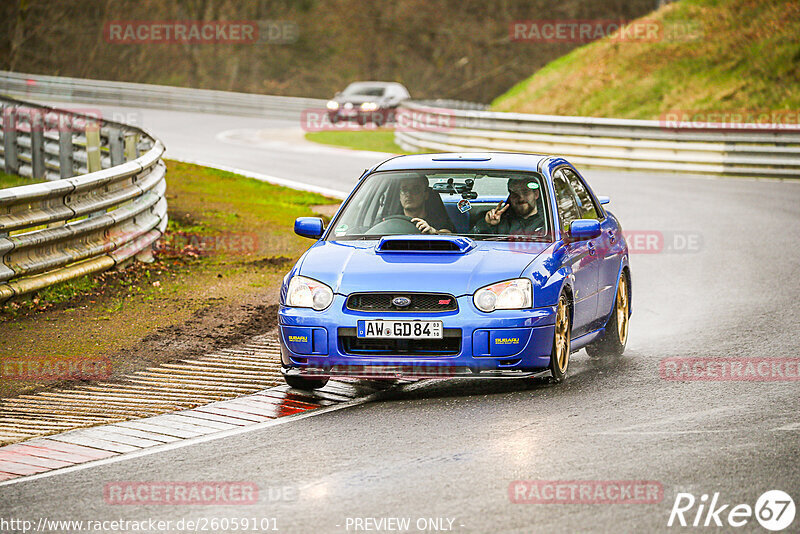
(562, 340)
(616, 337)
(306, 384)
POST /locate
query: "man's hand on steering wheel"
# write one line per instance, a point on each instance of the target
(423, 226)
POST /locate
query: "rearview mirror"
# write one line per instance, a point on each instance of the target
(583, 229)
(604, 200)
(308, 227)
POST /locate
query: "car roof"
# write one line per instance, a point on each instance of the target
(377, 84)
(464, 160)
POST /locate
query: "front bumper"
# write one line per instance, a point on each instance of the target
(504, 343)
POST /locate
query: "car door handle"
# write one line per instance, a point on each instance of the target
(592, 250)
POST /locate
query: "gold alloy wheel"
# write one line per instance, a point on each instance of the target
(622, 310)
(562, 341)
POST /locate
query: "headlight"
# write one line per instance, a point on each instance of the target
(369, 106)
(307, 293)
(509, 295)
(333, 105)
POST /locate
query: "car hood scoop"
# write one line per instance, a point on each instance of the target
(422, 244)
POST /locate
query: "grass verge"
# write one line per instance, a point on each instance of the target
(375, 140)
(12, 180)
(215, 279)
(712, 56)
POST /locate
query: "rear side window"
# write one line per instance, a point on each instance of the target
(568, 209)
(586, 205)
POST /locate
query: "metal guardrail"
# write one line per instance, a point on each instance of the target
(737, 149)
(451, 104)
(155, 96)
(102, 205)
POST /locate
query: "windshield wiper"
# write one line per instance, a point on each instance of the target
(513, 238)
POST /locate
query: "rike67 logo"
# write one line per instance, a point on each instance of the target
(774, 510)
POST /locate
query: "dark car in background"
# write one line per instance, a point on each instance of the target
(367, 102)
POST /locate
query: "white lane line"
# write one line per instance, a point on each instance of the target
(250, 137)
(193, 441)
(645, 432)
(790, 426)
(294, 184)
(669, 420)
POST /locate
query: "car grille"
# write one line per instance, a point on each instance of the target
(400, 347)
(450, 344)
(420, 302)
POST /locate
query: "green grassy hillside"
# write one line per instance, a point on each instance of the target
(715, 55)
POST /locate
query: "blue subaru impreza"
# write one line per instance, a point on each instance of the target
(442, 265)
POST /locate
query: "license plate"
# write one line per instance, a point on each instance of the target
(401, 329)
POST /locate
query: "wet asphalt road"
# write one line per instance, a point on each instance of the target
(728, 288)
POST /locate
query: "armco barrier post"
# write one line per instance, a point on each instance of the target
(93, 163)
(131, 146)
(10, 139)
(38, 170)
(93, 148)
(115, 146)
(66, 162)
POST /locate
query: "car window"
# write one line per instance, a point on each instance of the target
(586, 205)
(364, 90)
(568, 209)
(456, 202)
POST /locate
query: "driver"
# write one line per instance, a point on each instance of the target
(525, 216)
(415, 199)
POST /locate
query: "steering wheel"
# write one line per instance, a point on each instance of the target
(395, 224)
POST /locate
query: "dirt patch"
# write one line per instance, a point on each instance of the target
(272, 261)
(208, 329)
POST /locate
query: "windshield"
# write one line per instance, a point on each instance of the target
(364, 90)
(499, 205)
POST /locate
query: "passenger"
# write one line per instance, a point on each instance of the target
(525, 217)
(422, 205)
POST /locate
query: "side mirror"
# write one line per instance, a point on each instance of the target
(308, 227)
(604, 200)
(583, 229)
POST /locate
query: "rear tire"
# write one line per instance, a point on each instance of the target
(616, 337)
(306, 384)
(562, 340)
